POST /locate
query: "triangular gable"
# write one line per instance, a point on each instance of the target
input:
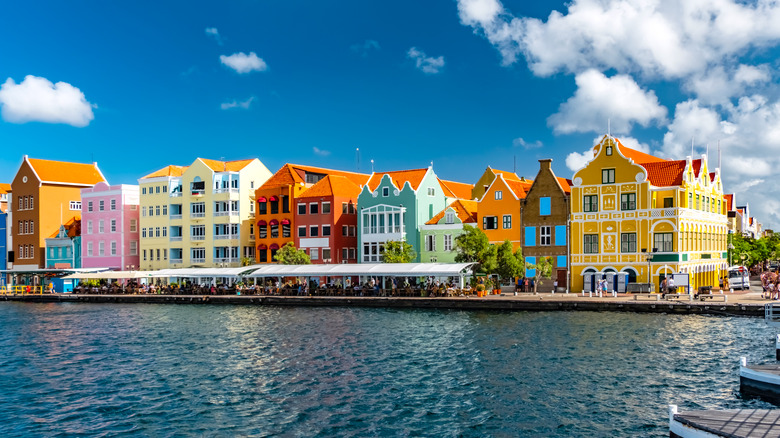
(465, 210)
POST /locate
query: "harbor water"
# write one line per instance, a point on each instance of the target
(181, 370)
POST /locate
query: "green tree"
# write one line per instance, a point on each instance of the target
(473, 246)
(246, 261)
(543, 269)
(508, 265)
(399, 252)
(289, 255)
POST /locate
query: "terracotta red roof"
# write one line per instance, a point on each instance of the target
(465, 210)
(399, 177)
(457, 190)
(520, 187)
(729, 199)
(65, 172)
(333, 185)
(295, 173)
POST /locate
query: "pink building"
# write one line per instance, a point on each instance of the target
(109, 227)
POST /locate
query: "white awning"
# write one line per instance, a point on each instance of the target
(109, 275)
(378, 269)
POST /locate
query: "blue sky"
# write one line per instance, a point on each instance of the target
(465, 84)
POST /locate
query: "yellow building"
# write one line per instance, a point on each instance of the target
(200, 215)
(635, 213)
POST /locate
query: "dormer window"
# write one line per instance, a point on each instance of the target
(449, 217)
(385, 191)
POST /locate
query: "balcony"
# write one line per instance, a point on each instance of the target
(175, 216)
(200, 238)
(176, 261)
(664, 212)
(198, 192)
(198, 215)
(226, 190)
(175, 194)
(227, 260)
(225, 236)
(176, 238)
(198, 261)
(225, 213)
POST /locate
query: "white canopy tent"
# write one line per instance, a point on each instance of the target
(109, 275)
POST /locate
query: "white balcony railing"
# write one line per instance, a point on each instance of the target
(175, 194)
(226, 213)
(226, 190)
(176, 238)
(197, 215)
(225, 236)
(176, 261)
(198, 238)
(175, 216)
(198, 261)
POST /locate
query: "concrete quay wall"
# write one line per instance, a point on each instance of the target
(458, 303)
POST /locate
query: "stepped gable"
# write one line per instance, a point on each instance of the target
(399, 177)
(333, 185)
(167, 171)
(466, 211)
(63, 172)
(456, 190)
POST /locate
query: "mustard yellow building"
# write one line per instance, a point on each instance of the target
(646, 217)
(201, 215)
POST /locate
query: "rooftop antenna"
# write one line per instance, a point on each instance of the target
(609, 128)
(357, 158)
(719, 156)
(372, 165)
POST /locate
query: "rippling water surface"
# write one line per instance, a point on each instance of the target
(175, 370)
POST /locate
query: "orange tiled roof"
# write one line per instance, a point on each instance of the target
(333, 185)
(457, 190)
(167, 171)
(668, 172)
(72, 225)
(5, 188)
(399, 177)
(520, 187)
(294, 173)
(637, 156)
(565, 184)
(507, 175)
(65, 172)
(465, 210)
(225, 166)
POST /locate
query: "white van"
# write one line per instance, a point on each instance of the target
(739, 277)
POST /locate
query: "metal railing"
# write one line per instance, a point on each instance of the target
(197, 214)
(772, 314)
(21, 290)
(175, 216)
(225, 236)
(198, 261)
(176, 238)
(198, 238)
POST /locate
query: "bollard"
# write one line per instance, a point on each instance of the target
(743, 361)
(672, 412)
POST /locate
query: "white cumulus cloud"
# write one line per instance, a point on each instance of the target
(600, 99)
(427, 64)
(520, 142)
(236, 104)
(576, 161)
(214, 33)
(36, 99)
(320, 152)
(243, 63)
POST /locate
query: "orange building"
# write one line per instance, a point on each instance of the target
(45, 195)
(276, 199)
(498, 213)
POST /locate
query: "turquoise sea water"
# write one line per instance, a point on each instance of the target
(180, 370)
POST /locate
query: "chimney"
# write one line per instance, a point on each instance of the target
(545, 164)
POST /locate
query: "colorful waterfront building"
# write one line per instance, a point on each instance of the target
(63, 248)
(545, 219)
(45, 195)
(326, 219)
(278, 196)
(646, 217)
(393, 205)
(500, 205)
(200, 215)
(110, 227)
(439, 233)
(5, 190)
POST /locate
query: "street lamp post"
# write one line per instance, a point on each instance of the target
(649, 258)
